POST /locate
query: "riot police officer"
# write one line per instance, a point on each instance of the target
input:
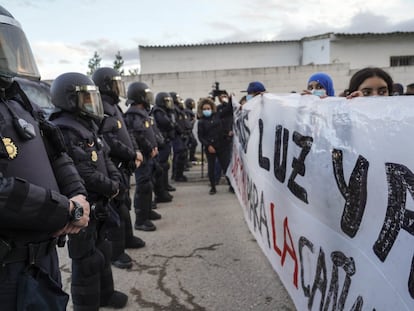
(123, 152)
(140, 125)
(80, 110)
(179, 143)
(163, 113)
(41, 193)
(192, 141)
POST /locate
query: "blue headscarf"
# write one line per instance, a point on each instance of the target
(325, 81)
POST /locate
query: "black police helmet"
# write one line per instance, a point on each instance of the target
(164, 100)
(178, 101)
(109, 81)
(189, 103)
(140, 93)
(76, 93)
(16, 57)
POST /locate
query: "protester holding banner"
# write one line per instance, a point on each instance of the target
(370, 81)
(211, 135)
(320, 84)
(254, 88)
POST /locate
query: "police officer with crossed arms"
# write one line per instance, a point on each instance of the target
(81, 111)
(42, 196)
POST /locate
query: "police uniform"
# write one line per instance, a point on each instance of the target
(81, 107)
(140, 125)
(192, 141)
(34, 173)
(165, 121)
(123, 154)
(36, 179)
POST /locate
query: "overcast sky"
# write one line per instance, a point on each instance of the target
(64, 34)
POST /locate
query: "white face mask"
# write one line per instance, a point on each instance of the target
(320, 92)
(225, 100)
(249, 97)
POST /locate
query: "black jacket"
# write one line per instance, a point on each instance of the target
(90, 154)
(141, 128)
(211, 132)
(113, 128)
(36, 177)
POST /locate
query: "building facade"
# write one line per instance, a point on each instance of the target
(283, 66)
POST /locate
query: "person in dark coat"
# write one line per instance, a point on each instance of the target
(211, 134)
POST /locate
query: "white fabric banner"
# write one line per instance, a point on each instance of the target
(327, 188)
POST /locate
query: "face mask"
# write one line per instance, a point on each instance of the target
(225, 100)
(207, 113)
(320, 93)
(249, 97)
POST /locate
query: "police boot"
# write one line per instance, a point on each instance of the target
(153, 204)
(117, 237)
(109, 296)
(161, 194)
(131, 241)
(163, 197)
(179, 170)
(142, 211)
(146, 225)
(181, 178)
(154, 215)
(116, 300)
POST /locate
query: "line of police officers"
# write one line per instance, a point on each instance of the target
(70, 175)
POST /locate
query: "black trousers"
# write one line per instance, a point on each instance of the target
(223, 156)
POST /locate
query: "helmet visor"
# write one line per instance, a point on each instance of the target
(180, 102)
(149, 97)
(89, 101)
(16, 56)
(118, 87)
(168, 102)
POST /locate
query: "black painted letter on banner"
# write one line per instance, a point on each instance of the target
(399, 179)
(298, 165)
(263, 161)
(281, 145)
(355, 193)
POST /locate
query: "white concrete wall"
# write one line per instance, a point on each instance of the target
(316, 51)
(218, 56)
(370, 51)
(358, 51)
(276, 79)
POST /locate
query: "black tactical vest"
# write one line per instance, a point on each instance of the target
(114, 122)
(25, 157)
(88, 139)
(140, 121)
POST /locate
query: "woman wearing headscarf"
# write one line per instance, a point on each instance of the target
(320, 84)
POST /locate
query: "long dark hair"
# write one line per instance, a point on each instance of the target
(360, 76)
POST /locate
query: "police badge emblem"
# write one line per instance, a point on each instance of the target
(94, 156)
(11, 148)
